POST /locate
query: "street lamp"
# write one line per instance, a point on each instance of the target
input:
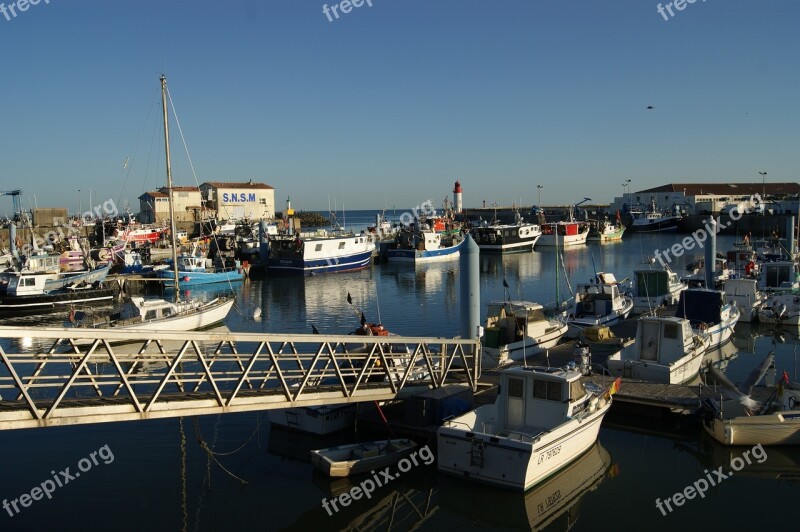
(627, 184)
(80, 203)
(539, 201)
(763, 184)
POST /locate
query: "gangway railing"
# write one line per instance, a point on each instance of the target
(66, 376)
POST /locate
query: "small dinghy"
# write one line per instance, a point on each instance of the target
(352, 459)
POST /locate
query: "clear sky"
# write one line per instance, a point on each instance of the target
(390, 104)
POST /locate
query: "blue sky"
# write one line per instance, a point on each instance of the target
(390, 104)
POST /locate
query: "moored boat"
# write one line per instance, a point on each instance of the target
(654, 220)
(507, 238)
(542, 420)
(564, 234)
(358, 458)
(709, 313)
(666, 350)
(425, 246)
(598, 303)
(653, 288)
(516, 329)
(311, 253)
(321, 420)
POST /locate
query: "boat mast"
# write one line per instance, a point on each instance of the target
(169, 186)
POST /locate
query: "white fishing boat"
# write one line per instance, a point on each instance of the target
(601, 302)
(666, 350)
(781, 308)
(605, 231)
(516, 329)
(424, 246)
(317, 252)
(320, 420)
(542, 420)
(696, 272)
(743, 261)
(357, 458)
(654, 288)
(564, 234)
(779, 276)
(744, 293)
(709, 313)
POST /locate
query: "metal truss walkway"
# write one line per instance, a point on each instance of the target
(68, 376)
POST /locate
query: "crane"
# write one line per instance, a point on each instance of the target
(15, 199)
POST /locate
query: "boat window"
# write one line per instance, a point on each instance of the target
(150, 315)
(341, 245)
(576, 390)
(515, 388)
(553, 391)
(670, 330)
(540, 389)
(318, 247)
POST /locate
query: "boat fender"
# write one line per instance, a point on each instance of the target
(72, 319)
(793, 402)
(593, 404)
(186, 278)
(750, 267)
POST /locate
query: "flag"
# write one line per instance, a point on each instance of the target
(349, 299)
(785, 377)
(314, 329)
(615, 386)
(505, 284)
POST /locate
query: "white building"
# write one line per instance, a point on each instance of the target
(236, 201)
(154, 206)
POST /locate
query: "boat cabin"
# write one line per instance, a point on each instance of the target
(534, 400)
(701, 305)
(507, 321)
(660, 340)
(420, 240)
(28, 284)
(654, 283)
(597, 299)
(782, 275)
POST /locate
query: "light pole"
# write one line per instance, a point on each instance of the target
(763, 184)
(628, 183)
(539, 201)
(80, 203)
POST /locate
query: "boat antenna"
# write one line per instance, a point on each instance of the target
(169, 186)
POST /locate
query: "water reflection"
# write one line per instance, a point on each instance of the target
(554, 502)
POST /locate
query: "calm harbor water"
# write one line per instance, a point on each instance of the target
(162, 479)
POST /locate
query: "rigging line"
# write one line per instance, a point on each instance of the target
(194, 173)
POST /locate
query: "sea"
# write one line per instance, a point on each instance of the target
(235, 472)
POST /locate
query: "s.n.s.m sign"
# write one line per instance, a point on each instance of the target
(234, 197)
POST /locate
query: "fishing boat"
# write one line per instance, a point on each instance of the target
(598, 303)
(507, 238)
(653, 288)
(696, 272)
(358, 458)
(744, 293)
(193, 270)
(423, 246)
(542, 420)
(25, 296)
(666, 350)
(782, 308)
(654, 220)
(564, 234)
(743, 261)
(709, 313)
(516, 329)
(156, 314)
(605, 231)
(312, 253)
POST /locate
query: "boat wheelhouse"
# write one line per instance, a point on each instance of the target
(542, 420)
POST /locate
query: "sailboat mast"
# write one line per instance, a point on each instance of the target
(169, 185)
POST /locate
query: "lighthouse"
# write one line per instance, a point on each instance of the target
(457, 204)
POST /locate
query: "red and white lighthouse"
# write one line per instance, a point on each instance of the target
(457, 203)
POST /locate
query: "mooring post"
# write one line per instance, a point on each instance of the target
(470, 289)
(711, 254)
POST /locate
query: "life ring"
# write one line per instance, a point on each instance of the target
(793, 402)
(750, 267)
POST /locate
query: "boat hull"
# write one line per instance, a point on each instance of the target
(186, 278)
(342, 461)
(300, 266)
(669, 224)
(321, 420)
(513, 464)
(13, 306)
(424, 256)
(682, 371)
(780, 428)
(517, 351)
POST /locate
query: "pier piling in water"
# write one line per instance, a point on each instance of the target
(470, 289)
(711, 254)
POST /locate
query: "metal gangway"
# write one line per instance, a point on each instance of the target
(67, 376)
